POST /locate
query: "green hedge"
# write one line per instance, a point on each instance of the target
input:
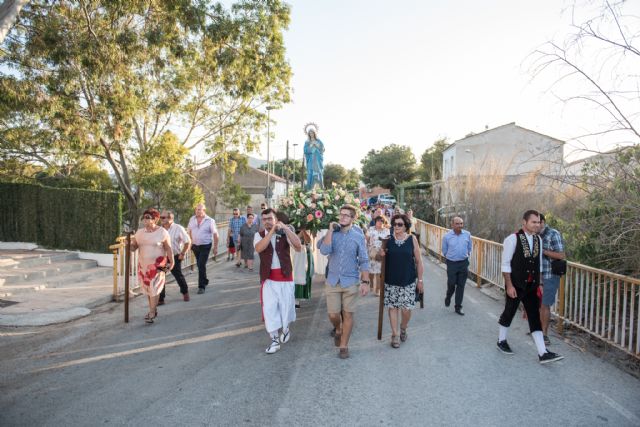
(60, 218)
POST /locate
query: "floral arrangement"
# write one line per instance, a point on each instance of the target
(313, 210)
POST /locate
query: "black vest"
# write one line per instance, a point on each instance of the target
(525, 270)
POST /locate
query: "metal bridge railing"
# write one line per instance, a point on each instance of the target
(118, 250)
(604, 304)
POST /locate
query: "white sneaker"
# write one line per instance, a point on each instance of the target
(273, 347)
(285, 336)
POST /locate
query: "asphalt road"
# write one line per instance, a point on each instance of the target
(203, 363)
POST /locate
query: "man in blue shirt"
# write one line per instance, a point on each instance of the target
(348, 269)
(235, 224)
(456, 248)
(552, 249)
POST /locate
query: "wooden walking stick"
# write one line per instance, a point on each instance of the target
(381, 303)
(127, 272)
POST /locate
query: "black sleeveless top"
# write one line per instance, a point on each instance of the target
(400, 266)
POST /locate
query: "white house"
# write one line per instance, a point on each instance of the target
(507, 150)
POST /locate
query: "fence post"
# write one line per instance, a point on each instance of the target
(115, 275)
(560, 327)
(479, 264)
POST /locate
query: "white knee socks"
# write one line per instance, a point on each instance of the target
(538, 338)
(502, 335)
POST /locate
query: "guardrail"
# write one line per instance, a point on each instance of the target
(604, 304)
(118, 250)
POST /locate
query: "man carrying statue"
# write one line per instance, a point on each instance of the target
(314, 157)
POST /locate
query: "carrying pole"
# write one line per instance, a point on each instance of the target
(381, 287)
(127, 272)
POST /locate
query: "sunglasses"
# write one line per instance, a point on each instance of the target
(147, 217)
(398, 224)
(164, 217)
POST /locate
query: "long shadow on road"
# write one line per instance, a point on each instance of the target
(203, 363)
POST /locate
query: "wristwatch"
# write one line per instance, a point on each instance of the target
(364, 282)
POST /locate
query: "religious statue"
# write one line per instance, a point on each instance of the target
(313, 156)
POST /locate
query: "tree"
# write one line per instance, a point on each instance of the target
(160, 171)
(9, 10)
(597, 65)
(233, 195)
(108, 79)
(345, 178)
(430, 168)
(392, 165)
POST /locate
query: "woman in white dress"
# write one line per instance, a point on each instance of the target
(374, 242)
(154, 259)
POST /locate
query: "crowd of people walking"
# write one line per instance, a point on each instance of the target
(383, 258)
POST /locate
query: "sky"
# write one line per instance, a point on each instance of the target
(371, 73)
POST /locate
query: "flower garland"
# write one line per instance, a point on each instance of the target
(313, 210)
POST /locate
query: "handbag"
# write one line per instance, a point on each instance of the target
(373, 252)
(559, 267)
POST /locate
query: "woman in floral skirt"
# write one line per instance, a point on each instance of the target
(154, 259)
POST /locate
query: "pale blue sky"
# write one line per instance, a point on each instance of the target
(374, 72)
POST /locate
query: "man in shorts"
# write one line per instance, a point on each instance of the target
(348, 274)
(552, 249)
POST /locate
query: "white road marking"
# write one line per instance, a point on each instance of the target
(255, 287)
(493, 316)
(468, 298)
(619, 408)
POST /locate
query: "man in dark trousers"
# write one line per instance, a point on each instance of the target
(521, 262)
(456, 248)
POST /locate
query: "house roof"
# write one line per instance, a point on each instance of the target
(499, 127)
(274, 177)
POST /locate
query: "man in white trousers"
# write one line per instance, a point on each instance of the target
(277, 292)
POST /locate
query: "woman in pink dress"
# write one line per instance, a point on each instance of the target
(154, 259)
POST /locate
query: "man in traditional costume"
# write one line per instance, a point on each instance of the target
(277, 292)
(521, 260)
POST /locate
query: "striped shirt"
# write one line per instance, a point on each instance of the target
(202, 234)
(347, 257)
(551, 241)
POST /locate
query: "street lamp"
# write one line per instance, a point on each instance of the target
(267, 193)
(294, 164)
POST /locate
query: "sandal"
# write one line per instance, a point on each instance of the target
(336, 339)
(394, 341)
(148, 318)
(403, 335)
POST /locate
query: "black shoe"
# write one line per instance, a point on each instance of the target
(549, 357)
(201, 290)
(547, 341)
(503, 346)
(459, 311)
(447, 301)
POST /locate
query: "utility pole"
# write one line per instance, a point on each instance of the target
(295, 165)
(288, 168)
(267, 192)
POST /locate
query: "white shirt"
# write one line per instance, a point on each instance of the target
(202, 233)
(275, 261)
(179, 238)
(509, 248)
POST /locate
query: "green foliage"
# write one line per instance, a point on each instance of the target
(604, 232)
(161, 174)
(60, 218)
(430, 168)
(392, 165)
(343, 177)
(107, 79)
(233, 195)
(314, 210)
